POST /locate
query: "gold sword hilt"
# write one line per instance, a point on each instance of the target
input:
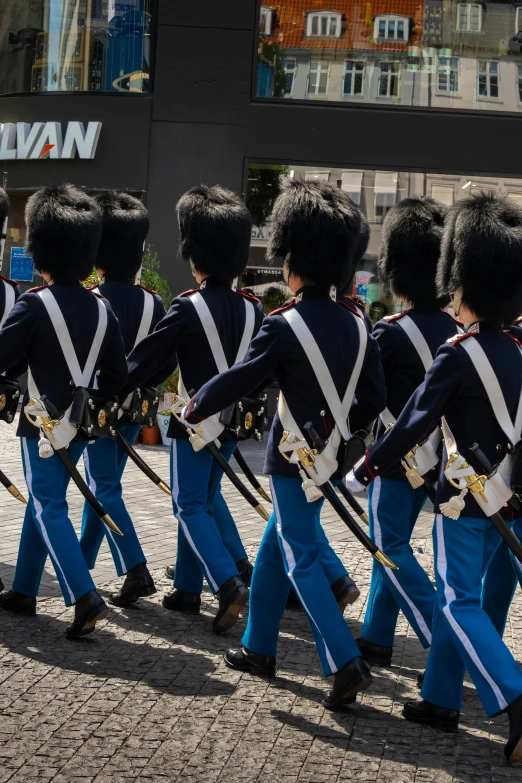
(306, 456)
(475, 483)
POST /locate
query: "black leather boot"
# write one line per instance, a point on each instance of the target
(181, 601)
(169, 572)
(245, 661)
(88, 610)
(348, 681)
(138, 583)
(374, 654)
(431, 715)
(12, 601)
(513, 747)
(420, 680)
(345, 592)
(232, 596)
(245, 569)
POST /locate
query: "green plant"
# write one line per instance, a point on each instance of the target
(170, 386)
(151, 278)
(92, 280)
(263, 188)
(274, 55)
(273, 298)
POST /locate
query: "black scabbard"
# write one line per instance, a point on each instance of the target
(241, 461)
(10, 487)
(507, 535)
(236, 481)
(142, 465)
(353, 502)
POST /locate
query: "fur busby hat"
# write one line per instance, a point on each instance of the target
(481, 257)
(215, 229)
(64, 227)
(125, 228)
(360, 249)
(410, 249)
(315, 229)
(4, 207)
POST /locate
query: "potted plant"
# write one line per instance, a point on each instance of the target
(168, 389)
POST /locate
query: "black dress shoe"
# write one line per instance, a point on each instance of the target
(375, 654)
(232, 596)
(420, 680)
(513, 747)
(181, 601)
(138, 584)
(345, 592)
(431, 715)
(88, 610)
(348, 681)
(169, 572)
(12, 601)
(245, 661)
(245, 569)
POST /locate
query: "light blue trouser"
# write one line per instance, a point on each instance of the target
(47, 529)
(105, 462)
(289, 556)
(195, 478)
(463, 635)
(500, 582)
(393, 510)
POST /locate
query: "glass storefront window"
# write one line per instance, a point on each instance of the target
(434, 53)
(375, 192)
(75, 46)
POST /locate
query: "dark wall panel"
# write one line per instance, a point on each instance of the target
(231, 14)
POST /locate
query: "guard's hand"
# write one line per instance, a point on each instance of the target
(352, 484)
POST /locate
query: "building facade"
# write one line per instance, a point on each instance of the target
(153, 96)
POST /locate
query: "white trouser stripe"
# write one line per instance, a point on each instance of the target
(38, 509)
(92, 487)
(450, 596)
(378, 540)
(179, 512)
(290, 559)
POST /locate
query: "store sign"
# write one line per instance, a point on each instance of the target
(21, 267)
(39, 140)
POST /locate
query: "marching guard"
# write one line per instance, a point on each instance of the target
(409, 252)
(138, 310)
(68, 335)
(475, 386)
(315, 230)
(209, 328)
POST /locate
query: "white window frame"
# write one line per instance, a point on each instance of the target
(518, 19)
(317, 175)
(324, 67)
(268, 14)
(443, 186)
(451, 68)
(391, 73)
(288, 70)
(389, 20)
(351, 183)
(330, 16)
(385, 190)
(353, 71)
(466, 28)
(488, 97)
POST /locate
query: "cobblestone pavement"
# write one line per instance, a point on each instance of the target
(148, 698)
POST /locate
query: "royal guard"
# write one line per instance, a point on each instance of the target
(138, 310)
(312, 232)
(474, 388)
(208, 328)
(68, 336)
(408, 256)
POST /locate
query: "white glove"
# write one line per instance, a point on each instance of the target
(351, 483)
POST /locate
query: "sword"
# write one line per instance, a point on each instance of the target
(48, 425)
(10, 487)
(351, 500)
(142, 465)
(241, 461)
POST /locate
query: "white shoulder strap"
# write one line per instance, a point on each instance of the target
(9, 301)
(146, 317)
(79, 376)
(418, 340)
(490, 382)
(211, 332)
(338, 409)
(250, 322)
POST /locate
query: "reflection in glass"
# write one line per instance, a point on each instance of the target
(75, 45)
(433, 53)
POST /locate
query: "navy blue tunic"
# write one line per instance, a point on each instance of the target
(126, 301)
(277, 350)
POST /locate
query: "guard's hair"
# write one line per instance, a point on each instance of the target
(481, 253)
(215, 229)
(315, 229)
(64, 227)
(125, 228)
(410, 249)
(4, 207)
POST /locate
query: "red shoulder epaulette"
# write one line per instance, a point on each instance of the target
(458, 337)
(514, 338)
(191, 291)
(285, 307)
(8, 280)
(247, 295)
(96, 293)
(93, 287)
(355, 304)
(151, 291)
(352, 307)
(394, 317)
(37, 288)
(455, 320)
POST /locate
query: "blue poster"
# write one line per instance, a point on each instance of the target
(21, 265)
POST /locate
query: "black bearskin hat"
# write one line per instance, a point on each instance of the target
(215, 229)
(315, 228)
(4, 207)
(481, 254)
(64, 227)
(360, 249)
(125, 228)
(410, 248)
